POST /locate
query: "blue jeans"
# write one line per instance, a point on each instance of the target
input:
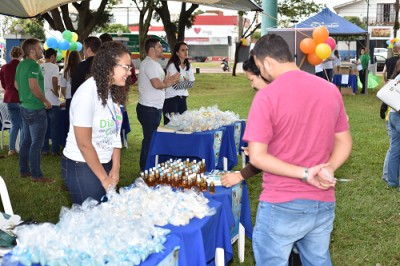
(385, 163)
(53, 132)
(34, 124)
(82, 183)
(394, 150)
(14, 109)
(149, 118)
(305, 223)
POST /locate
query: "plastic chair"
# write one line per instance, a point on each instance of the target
(5, 200)
(5, 121)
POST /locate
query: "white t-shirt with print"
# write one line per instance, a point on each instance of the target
(186, 81)
(87, 111)
(148, 95)
(50, 70)
(65, 83)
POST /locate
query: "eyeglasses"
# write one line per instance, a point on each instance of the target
(127, 68)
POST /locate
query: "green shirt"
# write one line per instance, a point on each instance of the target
(28, 68)
(364, 61)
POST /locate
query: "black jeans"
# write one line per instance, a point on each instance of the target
(149, 118)
(176, 104)
(362, 74)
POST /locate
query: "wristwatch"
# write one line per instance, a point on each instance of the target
(305, 175)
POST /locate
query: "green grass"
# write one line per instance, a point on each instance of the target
(366, 225)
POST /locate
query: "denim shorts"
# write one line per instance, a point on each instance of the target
(305, 223)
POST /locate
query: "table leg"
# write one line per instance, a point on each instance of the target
(219, 257)
(241, 243)
(225, 164)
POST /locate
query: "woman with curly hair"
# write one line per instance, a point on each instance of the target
(175, 96)
(91, 158)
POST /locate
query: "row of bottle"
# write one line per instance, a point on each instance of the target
(179, 174)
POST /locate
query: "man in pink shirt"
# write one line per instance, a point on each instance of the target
(298, 134)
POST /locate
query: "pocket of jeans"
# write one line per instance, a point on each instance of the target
(288, 220)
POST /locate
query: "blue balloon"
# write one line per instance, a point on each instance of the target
(52, 43)
(388, 42)
(79, 46)
(64, 45)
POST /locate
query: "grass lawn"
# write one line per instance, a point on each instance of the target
(367, 219)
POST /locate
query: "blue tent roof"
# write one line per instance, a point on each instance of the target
(333, 22)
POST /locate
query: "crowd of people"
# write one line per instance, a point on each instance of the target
(298, 136)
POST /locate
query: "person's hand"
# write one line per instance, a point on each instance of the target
(173, 79)
(114, 175)
(318, 179)
(47, 104)
(245, 150)
(107, 183)
(231, 179)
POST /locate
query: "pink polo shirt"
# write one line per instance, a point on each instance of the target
(297, 116)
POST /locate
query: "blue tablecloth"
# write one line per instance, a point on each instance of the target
(64, 125)
(171, 245)
(198, 145)
(201, 237)
(224, 195)
(337, 80)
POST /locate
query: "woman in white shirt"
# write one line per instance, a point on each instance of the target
(91, 158)
(175, 96)
(66, 76)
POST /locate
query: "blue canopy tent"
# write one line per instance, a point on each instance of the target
(337, 25)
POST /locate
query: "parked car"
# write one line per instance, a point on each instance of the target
(380, 62)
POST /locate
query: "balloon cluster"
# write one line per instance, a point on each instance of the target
(68, 43)
(391, 42)
(2, 43)
(319, 47)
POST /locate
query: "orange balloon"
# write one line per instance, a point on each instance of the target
(323, 50)
(313, 59)
(320, 34)
(307, 45)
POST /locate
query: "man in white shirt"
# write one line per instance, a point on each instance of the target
(50, 73)
(152, 85)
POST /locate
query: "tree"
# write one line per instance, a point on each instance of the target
(175, 30)
(32, 27)
(296, 10)
(146, 9)
(84, 22)
(115, 28)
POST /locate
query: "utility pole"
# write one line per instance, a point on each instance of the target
(269, 15)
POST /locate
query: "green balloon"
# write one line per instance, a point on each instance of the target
(59, 56)
(67, 34)
(73, 46)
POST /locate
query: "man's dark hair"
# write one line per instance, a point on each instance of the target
(49, 52)
(150, 43)
(93, 43)
(28, 45)
(106, 37)
(273, 46)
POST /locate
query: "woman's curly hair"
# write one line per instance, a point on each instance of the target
(103, 70)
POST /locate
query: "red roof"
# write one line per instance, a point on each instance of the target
(152, 28)
(201, 20)
(215, 20)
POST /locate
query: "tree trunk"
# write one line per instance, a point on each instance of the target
(237, 50)
(145, 16)
(175, 32)
(169, 26)
(396, 18)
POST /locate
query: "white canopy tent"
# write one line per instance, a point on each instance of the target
(32, 8)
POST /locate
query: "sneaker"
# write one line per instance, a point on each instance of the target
(12, 152)
(43, 180)
(29, 174)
